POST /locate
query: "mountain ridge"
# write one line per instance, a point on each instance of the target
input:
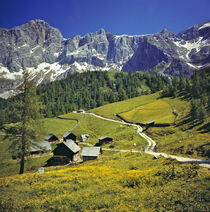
(42, 50)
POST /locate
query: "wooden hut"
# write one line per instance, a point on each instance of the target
(67, 149)
(81, 111)
(105, 140)
(91, 153)
(39, 147)
(51, 138)
(69, 136)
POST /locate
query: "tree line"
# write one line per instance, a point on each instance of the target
(196, 89)
(88, 90)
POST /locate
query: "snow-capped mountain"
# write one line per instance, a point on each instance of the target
(41, 49)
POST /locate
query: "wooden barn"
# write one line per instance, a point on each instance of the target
(39, 147)
(68, 149)
(51, 138)
(105, 140)
(69, 136)
(91, 153)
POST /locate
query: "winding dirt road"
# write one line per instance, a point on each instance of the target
(151, 145)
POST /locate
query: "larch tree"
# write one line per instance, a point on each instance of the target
(27, 111)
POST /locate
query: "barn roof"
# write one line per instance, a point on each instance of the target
(67, 134)
(150, 122)
(49, 136)
(40, 146)
(72, 146)
(91, 151)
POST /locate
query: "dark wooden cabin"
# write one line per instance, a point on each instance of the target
(105, 140)
(91, 153)
(69, 136)
(68, 149)
(39, 147)
(51, 138)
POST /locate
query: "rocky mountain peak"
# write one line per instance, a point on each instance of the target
(165, 33)
(42, 50)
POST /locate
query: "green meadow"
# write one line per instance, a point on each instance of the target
(110, 110)
(159, 111)
(57, 126)
(117, 181)
(184, 137)
(123, 136)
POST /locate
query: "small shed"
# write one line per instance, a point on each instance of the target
(84, 137)
(105, 140)
(91, 153)
(68, 149)
(51, 138)
(69, 136)
(81, 111)
(39, 147)
(150, 123)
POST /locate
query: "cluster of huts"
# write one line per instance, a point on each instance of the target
(68, 151)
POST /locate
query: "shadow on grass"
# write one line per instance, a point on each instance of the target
(205, 128)
(190, 123)
(185, 120)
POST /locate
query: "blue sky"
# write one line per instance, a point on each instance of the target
(78, 17)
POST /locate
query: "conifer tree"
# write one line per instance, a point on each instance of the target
(194, 109)
(27, 112)
(202, 113)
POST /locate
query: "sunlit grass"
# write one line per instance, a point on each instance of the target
(122, 182)
(159, 111)
(111, 109)
(57, 126)
(124, 136)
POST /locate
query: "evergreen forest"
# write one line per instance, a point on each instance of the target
(93, 89)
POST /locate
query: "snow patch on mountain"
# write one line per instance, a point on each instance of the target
(50, 57)
(204, 26)
(189, 45)
(6, 74)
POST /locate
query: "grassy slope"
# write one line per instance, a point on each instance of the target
(124, 136)
(185, 138)
(118, 107)
(120, 182)
(9, 166)
(58, 126)
(160, 111)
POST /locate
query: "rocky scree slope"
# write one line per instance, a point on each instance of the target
(41, 49)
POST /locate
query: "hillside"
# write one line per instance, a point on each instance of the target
(119, 182)
(87, 91)
(183, 137)
(159, 110)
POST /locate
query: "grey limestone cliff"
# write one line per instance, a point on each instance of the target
(41, 49)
